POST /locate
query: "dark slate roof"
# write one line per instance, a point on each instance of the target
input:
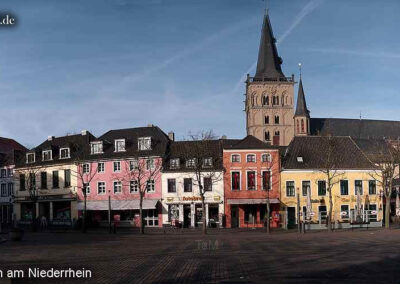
(10, 151)
(249, 142)
(315, 149)
(269, 63)
(377, 150)
(159, 142)
(301, 107)
(184, 150)
(7, 144)
(356, 128)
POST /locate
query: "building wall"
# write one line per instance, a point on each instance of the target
(243, 166)
(6, 199)
(216, 196)
(337, 198)
(256, 111)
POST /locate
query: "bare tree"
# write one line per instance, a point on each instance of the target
(200, 156)
(386, 156)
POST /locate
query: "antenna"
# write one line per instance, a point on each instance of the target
(266, 6)
(360, 114)
(300, 70)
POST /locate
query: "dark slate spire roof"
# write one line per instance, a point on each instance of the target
(301, 107)
(269, 63)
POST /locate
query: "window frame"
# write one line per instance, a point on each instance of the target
(142, 143)
(103, 167)
(98, 188)
(247, 180)
(318, 188)
(286, 188)
(150, 183)
(118, 170)
(100, 149)
(68, 151)
(251, 155)
(340, 187)
(235, 155)
(115, 182)
(135, 186)
(240, 180)
(50, 156)
(369, 186)
(27, 158)
(302, 188)
(270, 179)
(355, 187)
(184, 184)
(171, 182)
(116, 148)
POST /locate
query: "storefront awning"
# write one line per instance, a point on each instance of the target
(118, 204)
(238, 201)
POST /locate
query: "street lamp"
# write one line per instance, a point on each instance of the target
(109, 211)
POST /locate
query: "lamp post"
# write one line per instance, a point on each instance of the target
(109, 211)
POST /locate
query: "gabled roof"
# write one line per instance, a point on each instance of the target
(301, 107)
(249, 142)
(377, 150)
(315, 150)
(269, 63)
(356, 128)
(10, 151)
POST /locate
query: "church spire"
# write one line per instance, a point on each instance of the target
(269, 63)
(301, 107)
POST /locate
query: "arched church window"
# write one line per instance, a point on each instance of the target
(277, 133)
(297, 126)
(266, 119)
(266, 136)
(302, 125)
(277, 100)
(282, 100)
(265, 100)
(276, 119)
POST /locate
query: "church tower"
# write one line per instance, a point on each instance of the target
(302, 114)
(269, 101)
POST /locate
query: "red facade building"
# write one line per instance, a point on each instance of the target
(251, 179)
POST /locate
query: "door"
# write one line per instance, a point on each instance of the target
(187, 216)
(234, 216)
(291, 217)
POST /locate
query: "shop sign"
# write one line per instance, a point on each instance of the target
(217, 198)
(170, 199)
(191, 198)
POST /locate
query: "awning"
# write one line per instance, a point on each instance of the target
(118, 204)
(238, 201)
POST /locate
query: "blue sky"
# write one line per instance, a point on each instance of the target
(179, 64)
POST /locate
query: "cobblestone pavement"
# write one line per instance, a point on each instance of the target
(230, 256)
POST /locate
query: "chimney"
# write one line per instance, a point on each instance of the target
(49, 138)
(150, 125)
(223, 137)
(84, 132)
(171, 136)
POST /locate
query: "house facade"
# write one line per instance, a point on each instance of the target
(181, 180)
(307, 171)
(251, 180)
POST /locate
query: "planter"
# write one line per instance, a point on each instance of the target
(16, 234)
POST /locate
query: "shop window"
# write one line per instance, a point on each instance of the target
(250, 214)
(344, 211)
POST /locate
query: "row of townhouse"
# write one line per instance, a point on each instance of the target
(239, 177)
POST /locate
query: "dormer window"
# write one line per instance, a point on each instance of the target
(174, 164)
(96, 147)
(46, 155)
(64, 153)
(300, 159)
(120, 145)
(207, 163)
(191, 163)
(30, 158)
(144, 143)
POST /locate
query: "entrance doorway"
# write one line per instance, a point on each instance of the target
(234, 216)
(291, 217)
(187, 216)
(44, 210)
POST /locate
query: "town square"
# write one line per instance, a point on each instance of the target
(223, 141)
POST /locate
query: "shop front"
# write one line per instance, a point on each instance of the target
(125, 212)
(187, 211)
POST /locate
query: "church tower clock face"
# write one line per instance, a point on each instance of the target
(270, 95)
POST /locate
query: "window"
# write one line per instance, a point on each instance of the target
(3, 173)
(358, 187)
(251, 158)
(207, 163)
(134, 186)
(302, 126)
(344, 211)
(10, 189)
(96, 147)
(235, 158)
(100, 167)
(321, 188)
(3, 189)
(235, 180)
(86, 188)
(290, 188)
(133, 165)
(55, 179)
(187, 185)
(85, 168)
(266, 180)
(150, 164)
(344, 187)
(250, 213)
(101, 187)
(266, 158)
(30, 158)
(117, 166)
(150, 185)
(267, 136)
(67, 178)
(322, 212)
(171, 185)
(120, 145)
(207, 184)
(265, 100)
(22, 186)
(9, 172)
(32, 181)
(144, 143)
(43, 180)
(372, 187)
(305, 187)
(372, 213)
(251, 180)
(191, 163)
(174, 163)
(266, 119)
(276, 119)
(64, 153)
(117, 187)
(46, 155)
(277, 133)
